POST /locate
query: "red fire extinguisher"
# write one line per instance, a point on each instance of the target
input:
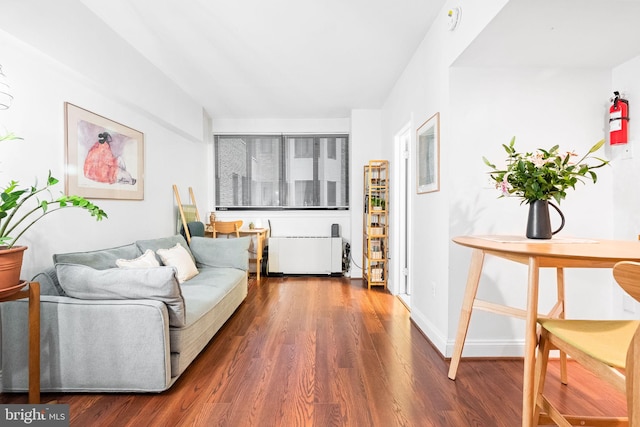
(618, 120)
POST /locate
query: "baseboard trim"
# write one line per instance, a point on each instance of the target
(429, 330)
(472, 348)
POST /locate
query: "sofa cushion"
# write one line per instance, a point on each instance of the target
(204, 292)
(146, 260)
(99, 259)
(179, 258)
(232, 253)
(159, 283)
(203, 295)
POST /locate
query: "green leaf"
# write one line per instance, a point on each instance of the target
(486, 162)
(51, 181)
(596, 147)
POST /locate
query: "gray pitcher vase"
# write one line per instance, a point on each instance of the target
(539, 222)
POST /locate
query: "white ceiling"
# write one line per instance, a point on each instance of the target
(558, 33)
(276, 58)
(318, 58)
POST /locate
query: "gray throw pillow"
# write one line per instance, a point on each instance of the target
(157, 283)
(49, 284)
(210, 252)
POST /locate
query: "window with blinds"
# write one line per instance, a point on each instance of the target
(281, 172)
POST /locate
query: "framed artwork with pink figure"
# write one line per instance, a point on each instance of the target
(104, 159)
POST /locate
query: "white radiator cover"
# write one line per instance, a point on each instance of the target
(305, 255)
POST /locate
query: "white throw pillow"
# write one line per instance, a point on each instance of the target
(179, 258)
(146, 260)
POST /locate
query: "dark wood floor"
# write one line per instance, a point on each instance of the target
(306, 351)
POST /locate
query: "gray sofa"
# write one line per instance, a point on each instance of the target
(126, 330)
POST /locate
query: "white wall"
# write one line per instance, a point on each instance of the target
(480, 109)
(421, 91)
(626, 178)
(529, 104)
(40, 86)
(67, 31)
(366, 145)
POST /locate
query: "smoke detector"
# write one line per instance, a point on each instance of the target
(454, 17)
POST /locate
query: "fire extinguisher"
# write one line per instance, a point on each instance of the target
(618, 120)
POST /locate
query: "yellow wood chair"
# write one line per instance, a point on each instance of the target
(227, 228)
(608, 348)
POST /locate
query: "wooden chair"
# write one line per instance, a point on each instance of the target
(608, 348)
(227, 228)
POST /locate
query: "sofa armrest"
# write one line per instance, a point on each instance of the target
(89, 345)
(232, 253)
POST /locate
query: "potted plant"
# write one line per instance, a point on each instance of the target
(21, 208)
(538, 177)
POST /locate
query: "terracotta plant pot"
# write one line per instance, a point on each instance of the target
(10, 266)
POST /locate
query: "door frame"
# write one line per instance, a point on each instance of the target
(401, 224)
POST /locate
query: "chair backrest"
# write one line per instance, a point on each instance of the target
(627, 274)
(227, 227)
(195, 228)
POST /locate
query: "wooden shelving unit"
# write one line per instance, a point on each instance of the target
(375, 244)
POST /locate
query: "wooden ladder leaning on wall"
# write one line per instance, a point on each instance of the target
(188, 213)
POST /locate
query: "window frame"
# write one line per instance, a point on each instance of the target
(342, 152)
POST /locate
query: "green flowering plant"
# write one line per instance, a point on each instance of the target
(543, 174)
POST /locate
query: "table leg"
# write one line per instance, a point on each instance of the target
(259, 243)
(561, 315)
(477, 259)
(34, 343)
(530, 342)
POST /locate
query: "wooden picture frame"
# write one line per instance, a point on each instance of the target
(104, 159)
(428, 155)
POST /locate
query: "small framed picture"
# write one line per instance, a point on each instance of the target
(428, 157)
(104, 159)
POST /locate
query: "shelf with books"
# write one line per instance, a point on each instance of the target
(375, 223)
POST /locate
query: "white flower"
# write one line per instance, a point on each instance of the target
(538, 159)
